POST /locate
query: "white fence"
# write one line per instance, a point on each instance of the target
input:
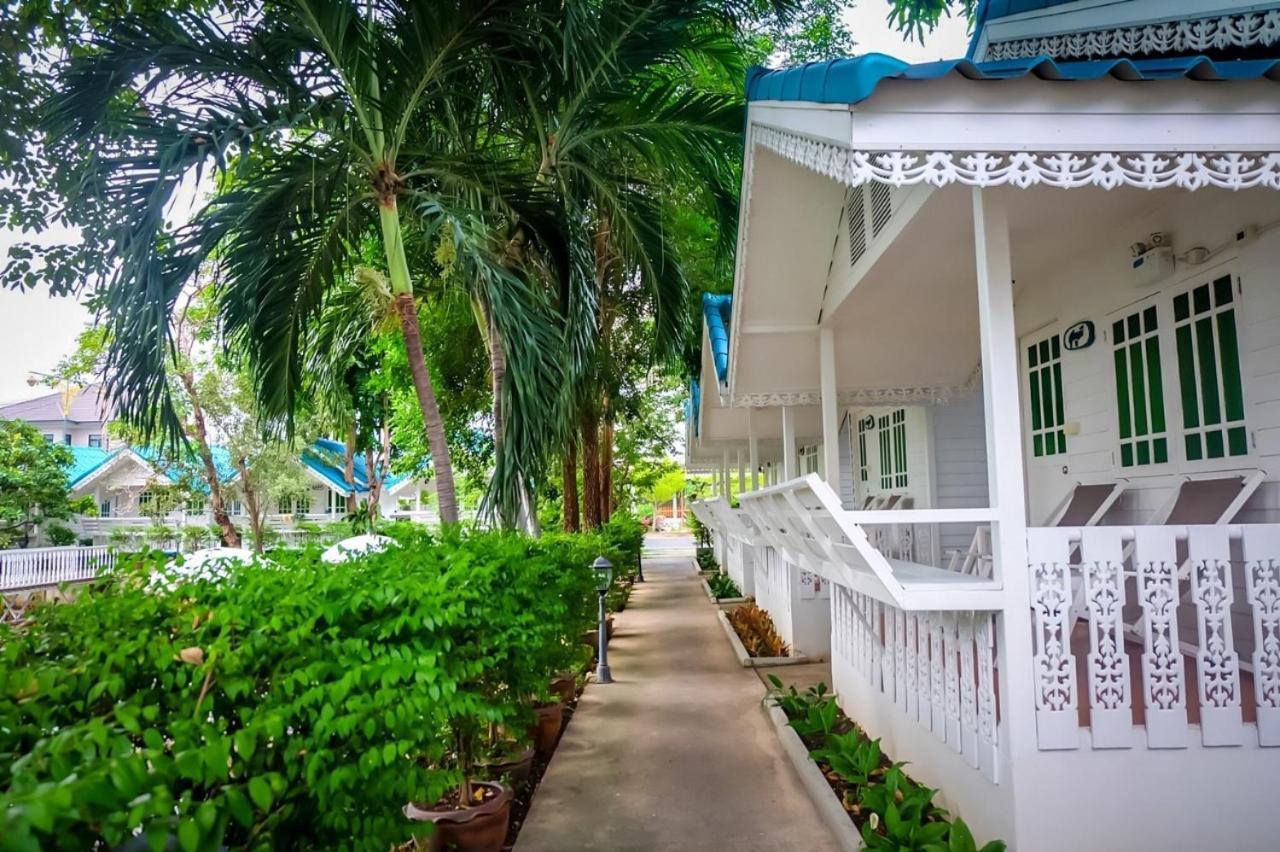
(47, 566)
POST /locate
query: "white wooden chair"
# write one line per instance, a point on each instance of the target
(1084, 506)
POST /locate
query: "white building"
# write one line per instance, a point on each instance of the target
(1017, 317)
(74, 415)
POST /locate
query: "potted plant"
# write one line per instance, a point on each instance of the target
(473, 816)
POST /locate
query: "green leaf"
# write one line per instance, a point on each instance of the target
(189, 835)
(260, 793)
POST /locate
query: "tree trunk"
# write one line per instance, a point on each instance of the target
(590, 470)
(251, 503)
(349, 468)
(386, 185)
(606, 468)
(498, 372)
(572, 521)
(230, 535)
(430, 409)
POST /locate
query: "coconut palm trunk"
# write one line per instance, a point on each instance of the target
(590, 469)
(407, 310)
(572, 519)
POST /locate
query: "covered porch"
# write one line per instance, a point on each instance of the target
(1041, 498)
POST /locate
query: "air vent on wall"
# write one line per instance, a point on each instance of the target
(881, 207)
(854, 219)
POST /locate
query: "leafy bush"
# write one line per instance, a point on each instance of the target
(722, 586)
(122, 537)
(625, 533)
(194, 538)
(59, 535)
(290, 706)
(701, 535)
(893, 812)
(755, 628)
(706, 560)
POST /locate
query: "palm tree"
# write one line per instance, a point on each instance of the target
(321, 119)
(622, 109)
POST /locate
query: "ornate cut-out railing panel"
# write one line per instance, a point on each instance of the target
(1123, 617)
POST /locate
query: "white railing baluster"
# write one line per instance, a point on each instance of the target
(950, 671)
(1217, 664)
(987, 732)
(968, 692)
(1110, 713)
(1164, 689)
(1262, 577)
(1055, 666)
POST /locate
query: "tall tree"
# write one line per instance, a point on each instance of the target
(328, 113)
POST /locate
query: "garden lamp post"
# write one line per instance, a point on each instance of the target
(604, 577)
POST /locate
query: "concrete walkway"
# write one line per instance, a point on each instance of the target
(676, 754)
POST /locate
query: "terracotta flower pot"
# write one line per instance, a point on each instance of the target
(478, 828)
(546, 728)
(515, 767)
(564, 687)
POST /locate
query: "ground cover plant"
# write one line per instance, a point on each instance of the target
(755, 628)
(706, 559)
(893, 813)
(722, 586)
(284, 706)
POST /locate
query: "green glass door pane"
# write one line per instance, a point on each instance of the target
(1208, 362)
(1123, 403)
(1187, 379)
(1138, 378)
(1228, 346)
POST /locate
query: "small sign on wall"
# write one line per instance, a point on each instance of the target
(1079, 336)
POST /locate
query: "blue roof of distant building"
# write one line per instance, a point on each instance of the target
(85, 460)
(717, 310)
(327, 459)
(848, 81)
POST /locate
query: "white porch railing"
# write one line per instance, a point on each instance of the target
(47, 566)
(1154, 655)
(1142, 632)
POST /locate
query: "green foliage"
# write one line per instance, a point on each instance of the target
(291, 707)
(722, 586)
(894, 813)
(58, 535)
(915, 18)
(33, 482)
(706, 559)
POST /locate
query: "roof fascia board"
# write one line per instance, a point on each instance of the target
(956, 114)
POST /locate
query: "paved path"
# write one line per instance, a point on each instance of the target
(676, 754)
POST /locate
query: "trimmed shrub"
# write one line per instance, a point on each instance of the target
(285, 706)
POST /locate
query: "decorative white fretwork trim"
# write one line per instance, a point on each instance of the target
(1193, 36)
(1064, 170)
(934, 395)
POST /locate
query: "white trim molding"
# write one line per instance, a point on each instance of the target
(1063, 170)
(861, 397)
(1247, 29)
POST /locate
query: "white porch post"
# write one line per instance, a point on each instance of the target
(742, 474)
(830, 422)
(724, 472)
(753, 449)
(1005, 476)
(789, 465)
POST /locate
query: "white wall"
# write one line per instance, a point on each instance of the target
(959, 444)
(1096, 285)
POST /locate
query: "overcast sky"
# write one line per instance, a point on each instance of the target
(36, 331)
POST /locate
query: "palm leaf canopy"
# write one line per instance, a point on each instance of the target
(302, 109)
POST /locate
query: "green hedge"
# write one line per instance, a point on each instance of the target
(297, 706)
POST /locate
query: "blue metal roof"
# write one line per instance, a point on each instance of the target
(692, 404)
(717, 310)
(327, 458)
(848, 81)
(85, 460)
